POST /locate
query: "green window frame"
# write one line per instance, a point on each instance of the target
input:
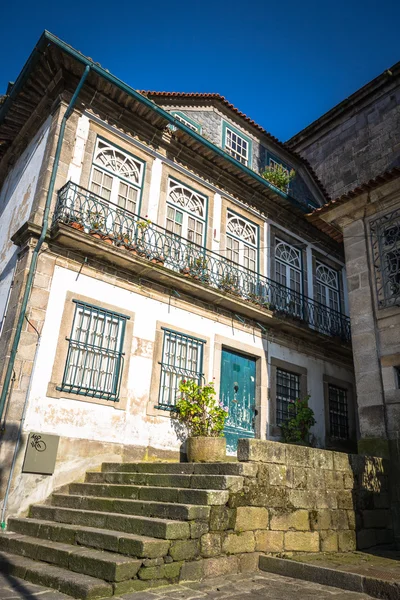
(236, 144)
(95, 354)
(183, 118)
(182, 358)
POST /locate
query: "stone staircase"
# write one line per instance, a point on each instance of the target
(129, 527)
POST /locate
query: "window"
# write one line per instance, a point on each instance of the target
(327, 287)
(288, 266)
(397, 376)
(385, 233)
(179, 116)
(241, 241)
(274, 163)
(287, 392)
(186, 212)
(236, 144)
(182, 358)
(95, 357)
(338, 412)
(116, 176)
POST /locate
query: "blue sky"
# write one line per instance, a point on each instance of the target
(282, 63)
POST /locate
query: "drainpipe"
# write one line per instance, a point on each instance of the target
(40, 241)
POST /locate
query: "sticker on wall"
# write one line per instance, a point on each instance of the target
(41, 453)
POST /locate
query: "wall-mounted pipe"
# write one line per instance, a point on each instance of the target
(40, 241)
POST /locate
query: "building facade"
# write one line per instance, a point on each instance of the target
(140, 245)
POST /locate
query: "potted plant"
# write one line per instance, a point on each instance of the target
(204, 418)
(76, 222)
(229, 283)
(296, 429)
(278, 176)
(198, 269)
(96, 224)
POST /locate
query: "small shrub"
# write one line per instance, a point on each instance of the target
(199, 410)
(296, 429)
(278, 176)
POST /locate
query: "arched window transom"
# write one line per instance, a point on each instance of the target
(288, 254)
(186, 198)
(327, 276)
(186, 210)
(242, 229)
(118, 162)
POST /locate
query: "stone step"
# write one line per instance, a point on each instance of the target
(112, 541)
(159, 528)
(223, 468)
(163, 510)
(157, 494)
(208, 482)
(103, 565)
(67, 582)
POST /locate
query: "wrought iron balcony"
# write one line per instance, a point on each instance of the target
(87, 212)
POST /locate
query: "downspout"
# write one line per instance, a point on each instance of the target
(40, 241)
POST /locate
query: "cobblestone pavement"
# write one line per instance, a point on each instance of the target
(232, 587)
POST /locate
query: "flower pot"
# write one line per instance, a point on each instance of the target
(76, 225)
(206, 449)
(94, 233)
(107, 239)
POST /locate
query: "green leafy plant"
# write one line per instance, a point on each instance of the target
(229, 283)
(199, 410)
(296, 429)
(143, 225)
(95, 219)
(278, 176)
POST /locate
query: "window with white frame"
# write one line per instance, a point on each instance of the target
(241, 241)
(327, 286)
(237, 146)
(116, 176)
(179, 116)
(186, 212)
(182, 358)
(288, 271)
(95, 352)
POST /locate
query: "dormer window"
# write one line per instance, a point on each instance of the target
(236, 144)
(180, 116)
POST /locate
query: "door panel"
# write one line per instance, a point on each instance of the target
(238, 393)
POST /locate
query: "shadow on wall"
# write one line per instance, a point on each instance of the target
(372, 502)
(8, 438)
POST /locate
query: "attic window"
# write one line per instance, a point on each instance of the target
(179, 116)
(236, 144)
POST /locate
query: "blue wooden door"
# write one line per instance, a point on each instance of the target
(238, 393)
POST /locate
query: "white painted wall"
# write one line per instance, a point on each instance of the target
(16, 197)
(81, 419)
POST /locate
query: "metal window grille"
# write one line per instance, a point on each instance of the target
(287, 392)
(385, 238)
(95, 358)
(182, 358)
(338, 413)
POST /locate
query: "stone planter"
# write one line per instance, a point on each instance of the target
(206, 449)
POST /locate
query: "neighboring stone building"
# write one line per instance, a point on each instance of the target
(368, 221)
(141, 245)
(358, 139)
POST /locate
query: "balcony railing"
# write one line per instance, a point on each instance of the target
(85, 211)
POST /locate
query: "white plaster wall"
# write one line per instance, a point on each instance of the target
(81, 419)
(16, 197)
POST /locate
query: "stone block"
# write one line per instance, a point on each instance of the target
(236, 543)
(172, 570)
(302, 498)
(325, 500)
(347, 541)
(345, 499)
(348, 481)
(285, 521)
(216, 567)
(184, 549)
(221, 518)
(339, 519)
(314, 480)
(198, 528)
(261, 451)
(297, 477)
(320, 519)
(297, 456)
(297, 541)
(366, 538)
(211, 544)
(248, 563)
(277, 474)
(329, 541)
(269, 541)
(351, 518)
(377, 519)
(333, 480)
(321, 459)
(192, 571)
(249, 518)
